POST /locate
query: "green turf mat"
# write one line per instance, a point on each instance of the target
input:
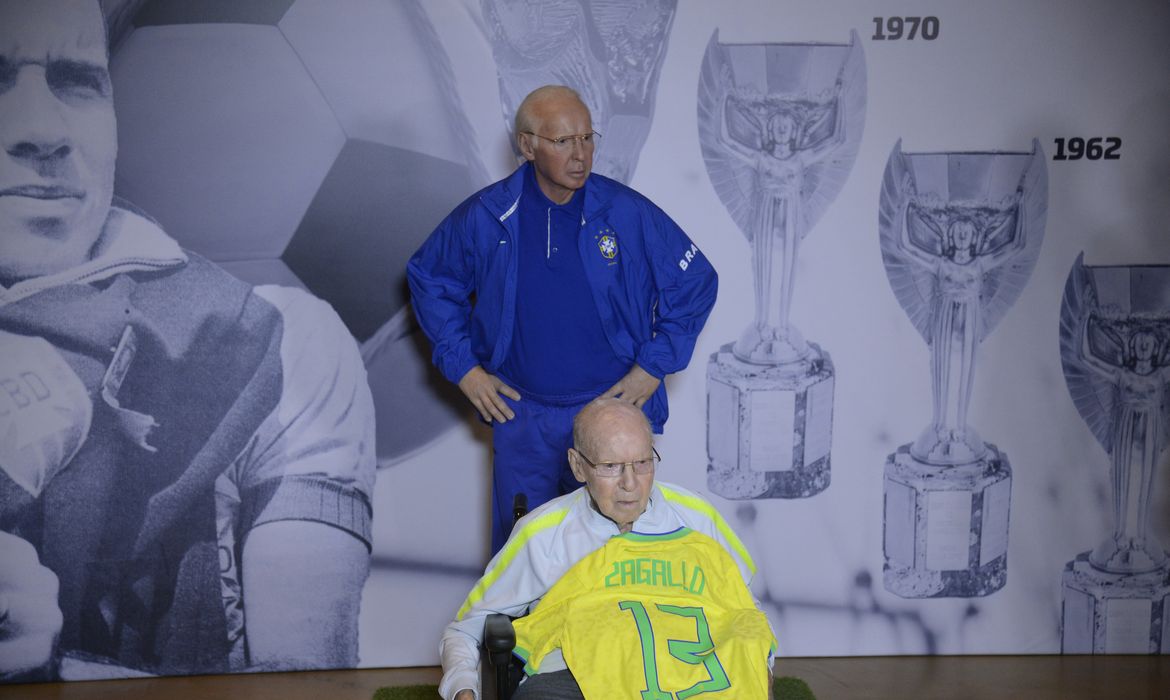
(791, 688)
(785, 688)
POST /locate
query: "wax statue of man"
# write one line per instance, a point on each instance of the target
(186, 460)
(551, 539)
(582, 288)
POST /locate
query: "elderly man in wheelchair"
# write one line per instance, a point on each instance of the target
(631, 588)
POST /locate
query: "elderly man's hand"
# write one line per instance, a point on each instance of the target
(483, 390)
(636, 387)
(29, 617)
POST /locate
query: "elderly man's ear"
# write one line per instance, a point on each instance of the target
(524, 143)
(577, 465)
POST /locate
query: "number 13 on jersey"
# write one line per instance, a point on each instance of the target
(700, 651)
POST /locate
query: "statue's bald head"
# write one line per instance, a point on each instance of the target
(539, 101)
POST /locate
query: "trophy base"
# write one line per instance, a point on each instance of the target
(945, 529)
(769, 427)
(766, 345)
(1128, 555)
(1108, 613)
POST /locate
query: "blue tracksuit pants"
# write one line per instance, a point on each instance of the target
(530, 456)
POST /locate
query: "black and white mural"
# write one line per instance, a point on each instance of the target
(216, 407)
(779, 126)
(960, 235)
(1115, 350)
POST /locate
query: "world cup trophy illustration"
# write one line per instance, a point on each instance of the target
(779, 128)
(610, 52)
(1115, 351)
(960, 234)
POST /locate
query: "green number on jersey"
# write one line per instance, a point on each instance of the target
(699, 651)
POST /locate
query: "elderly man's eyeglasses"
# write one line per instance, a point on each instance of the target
(611, 470)
(565, 143)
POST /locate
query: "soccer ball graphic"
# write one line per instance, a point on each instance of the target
(312, 143)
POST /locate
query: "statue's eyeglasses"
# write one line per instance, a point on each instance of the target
(565, 143)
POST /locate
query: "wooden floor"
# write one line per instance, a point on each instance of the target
(869, 678)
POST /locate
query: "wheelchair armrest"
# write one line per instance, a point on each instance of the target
(499, 637)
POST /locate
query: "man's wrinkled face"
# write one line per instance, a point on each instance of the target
(623, 498)
(559, 173)
(58, 135)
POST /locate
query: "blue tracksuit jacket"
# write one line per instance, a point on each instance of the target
(652, 286)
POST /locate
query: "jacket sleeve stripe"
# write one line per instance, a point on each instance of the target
(515, 543)
(721, 525)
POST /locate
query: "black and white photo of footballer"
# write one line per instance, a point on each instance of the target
(186, 460)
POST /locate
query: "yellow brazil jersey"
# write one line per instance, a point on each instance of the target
(653, 617)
